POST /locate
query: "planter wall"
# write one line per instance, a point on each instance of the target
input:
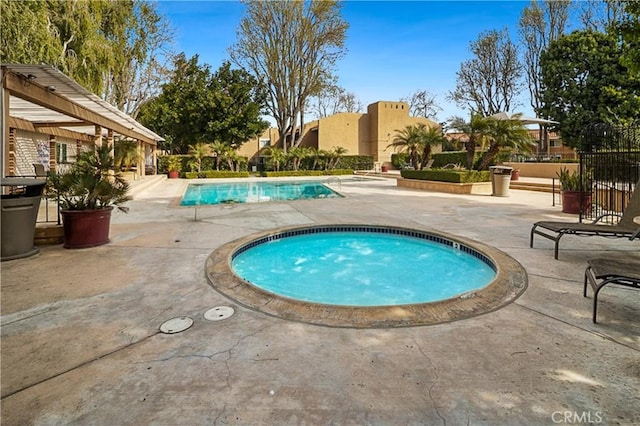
(477, 188)
(86, 228)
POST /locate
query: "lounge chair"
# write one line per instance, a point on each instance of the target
(603, 271)
(625, 228)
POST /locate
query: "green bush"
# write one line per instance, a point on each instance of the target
(163, 162)
(446, 175)
(308, 173)
(353, 162)
(215, 174)
(399, 160)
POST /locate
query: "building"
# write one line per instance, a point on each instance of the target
(367, 133)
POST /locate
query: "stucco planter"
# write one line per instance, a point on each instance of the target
(476, 188)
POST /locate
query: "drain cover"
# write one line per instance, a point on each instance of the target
(218, 313)
(176, 325)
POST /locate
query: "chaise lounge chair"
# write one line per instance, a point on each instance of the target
(603, 271)
(625, 228)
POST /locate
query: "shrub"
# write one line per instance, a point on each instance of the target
(215, 174)
(308, 173)
(163, 162)
(400, 159)
(445, 175)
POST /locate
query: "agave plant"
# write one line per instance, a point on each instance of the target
(90, 184)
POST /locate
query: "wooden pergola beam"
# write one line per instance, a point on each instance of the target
(52, 124)
(19, 123)
(21, 87)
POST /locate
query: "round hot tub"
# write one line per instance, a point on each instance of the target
(365, 276)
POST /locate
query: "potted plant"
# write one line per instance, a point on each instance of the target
(576, 192)
(174, 166)
(86, 195)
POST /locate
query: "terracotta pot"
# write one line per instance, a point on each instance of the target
(174, 174)
(385, 169)
(571, 202)
(515, 174)
(86, 228)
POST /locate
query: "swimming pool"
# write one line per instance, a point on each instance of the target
(509, 282)
(254, 192)
(361, 267)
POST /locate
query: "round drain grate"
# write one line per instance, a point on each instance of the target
(218, 313)
(176, 325)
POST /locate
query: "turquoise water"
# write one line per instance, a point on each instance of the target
(361, 269)
(253, 192)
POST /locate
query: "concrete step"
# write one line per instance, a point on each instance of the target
(136, 187)
(531, 186)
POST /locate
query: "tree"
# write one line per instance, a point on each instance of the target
(198, 106)
(198, 152)
(292, 47)
(505, 133)
(539, 25)
(422, 104)
(630, 31)
(108, 47)
(601, 16)
(475, 129)
(140, 38)
(418, 139)
(334, 99)
(585, 82)
(489, 82)
(238, 103)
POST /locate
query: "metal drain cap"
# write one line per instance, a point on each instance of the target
(218, 313)
(176, 325)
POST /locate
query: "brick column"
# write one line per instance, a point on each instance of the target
(11, 152)
(53, 152)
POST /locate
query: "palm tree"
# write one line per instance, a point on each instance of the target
(218, 149)
(505, 133)
(432, 136)
(126, 154)
(296, 155)
(278, 157)
(409, 139)
(476, 129)
(335, 154)
(198, 152)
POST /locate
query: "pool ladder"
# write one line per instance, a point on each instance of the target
(333, 180)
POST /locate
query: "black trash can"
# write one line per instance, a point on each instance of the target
(19, 216)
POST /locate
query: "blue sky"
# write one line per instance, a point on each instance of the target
(394, 48)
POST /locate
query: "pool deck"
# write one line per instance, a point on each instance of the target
(81, 341)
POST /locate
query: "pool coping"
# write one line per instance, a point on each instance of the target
(510, 282)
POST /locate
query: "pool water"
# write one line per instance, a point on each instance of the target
(254, 192)
(361, 269)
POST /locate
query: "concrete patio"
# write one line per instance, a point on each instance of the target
(81, 341)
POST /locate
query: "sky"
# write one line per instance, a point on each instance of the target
(393, 48)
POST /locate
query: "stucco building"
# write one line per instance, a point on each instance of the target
(367, 133)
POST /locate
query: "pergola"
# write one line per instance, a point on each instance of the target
(41, 99)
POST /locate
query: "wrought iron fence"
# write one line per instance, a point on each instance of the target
(609, 168)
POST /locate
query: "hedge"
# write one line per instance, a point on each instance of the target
(308, 173)
(445, 175)
(215, 174)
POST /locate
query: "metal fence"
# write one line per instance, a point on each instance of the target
(609, 168)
